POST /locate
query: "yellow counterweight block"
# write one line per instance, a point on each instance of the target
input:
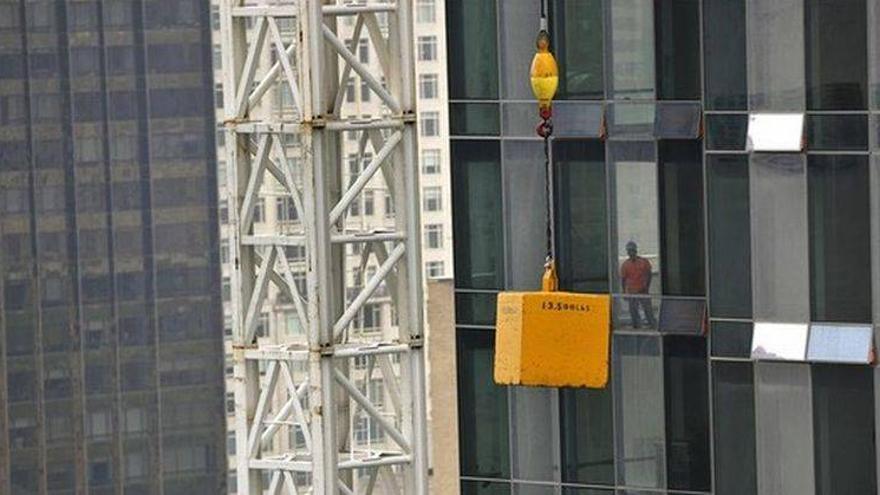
(552, 339)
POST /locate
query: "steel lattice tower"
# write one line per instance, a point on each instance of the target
(307, 390)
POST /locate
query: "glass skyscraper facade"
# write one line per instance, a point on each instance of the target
(657, 164)
(111, 377)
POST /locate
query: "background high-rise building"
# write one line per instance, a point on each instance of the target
(111, 362)
(371, 210)
(657, 142)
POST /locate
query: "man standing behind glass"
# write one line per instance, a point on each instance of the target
(635, 276)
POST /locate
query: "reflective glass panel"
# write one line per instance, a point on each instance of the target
(640, 424)
(632, 49)
(836, 54)
(472, 47)
(535, 451)
(681, 218)
(687, 413)
(581, 219)
(484, 488)
(780, 268)
(780, 341)
(837, 132)
(587, 436)
(636, 235)
(726, 131)
(477, 217)
(840, 251)
(724, 31)
(841, 343)
(526, 198)
(784, 429)
(578, 29)
(731, 338)
(843, 417)
(734, 428)
(482, 409)
(475, 308)
(518, 30)
(776, 55)
(677, 38)
(730, 282)
(473, 119)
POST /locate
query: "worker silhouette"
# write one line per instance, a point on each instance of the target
(635, 276)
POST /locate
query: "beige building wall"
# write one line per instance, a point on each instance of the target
(442, 389)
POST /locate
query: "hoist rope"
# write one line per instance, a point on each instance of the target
(548, 189)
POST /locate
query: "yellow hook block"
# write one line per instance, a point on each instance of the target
(552, 339)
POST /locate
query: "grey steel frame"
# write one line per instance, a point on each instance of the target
(319, 404)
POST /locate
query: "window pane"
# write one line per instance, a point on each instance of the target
(638, 390)
(578, 31)
(734, 428)
(836, 54)
(477, 214)
(472, 49)
(632, 49)
(687, 413)
(518, 30)
(731, 339)
(582, 225)
(473, 119)
(678, 120)
(779, 231)
(730, 282)
(724, 32)
(524, 186)
(635, 231)
(587, 441)
(840, 280)
(521, 489)
(726, 132)
(484, 488)
(784, 429)
(482, 406)
(776, 54)
(475, 308)
(677, 25)
(535, 453)
(837, 132)
(843, 419)
(681, 218)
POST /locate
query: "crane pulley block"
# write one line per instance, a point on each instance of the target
(553, 339)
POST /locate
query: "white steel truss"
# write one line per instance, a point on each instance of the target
(307, 394)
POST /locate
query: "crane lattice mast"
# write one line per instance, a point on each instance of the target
(303, 395)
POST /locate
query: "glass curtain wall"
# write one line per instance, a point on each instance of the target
(658, 203)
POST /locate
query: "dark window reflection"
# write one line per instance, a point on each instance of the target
(724, 36)
(836, 54)
(681, 218)
(677, 32)
(587, 440)
(837, 132)
(474, 119)
(578, 34)
(731, 339)
(687, 413)
(729, 236)
(484, 488)
(581, 215)
(477, 219)
(726, 132)
(472, 48)
(475, 308)
(483, 409)
(843, 420)
(840, 253)
(734, 428)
